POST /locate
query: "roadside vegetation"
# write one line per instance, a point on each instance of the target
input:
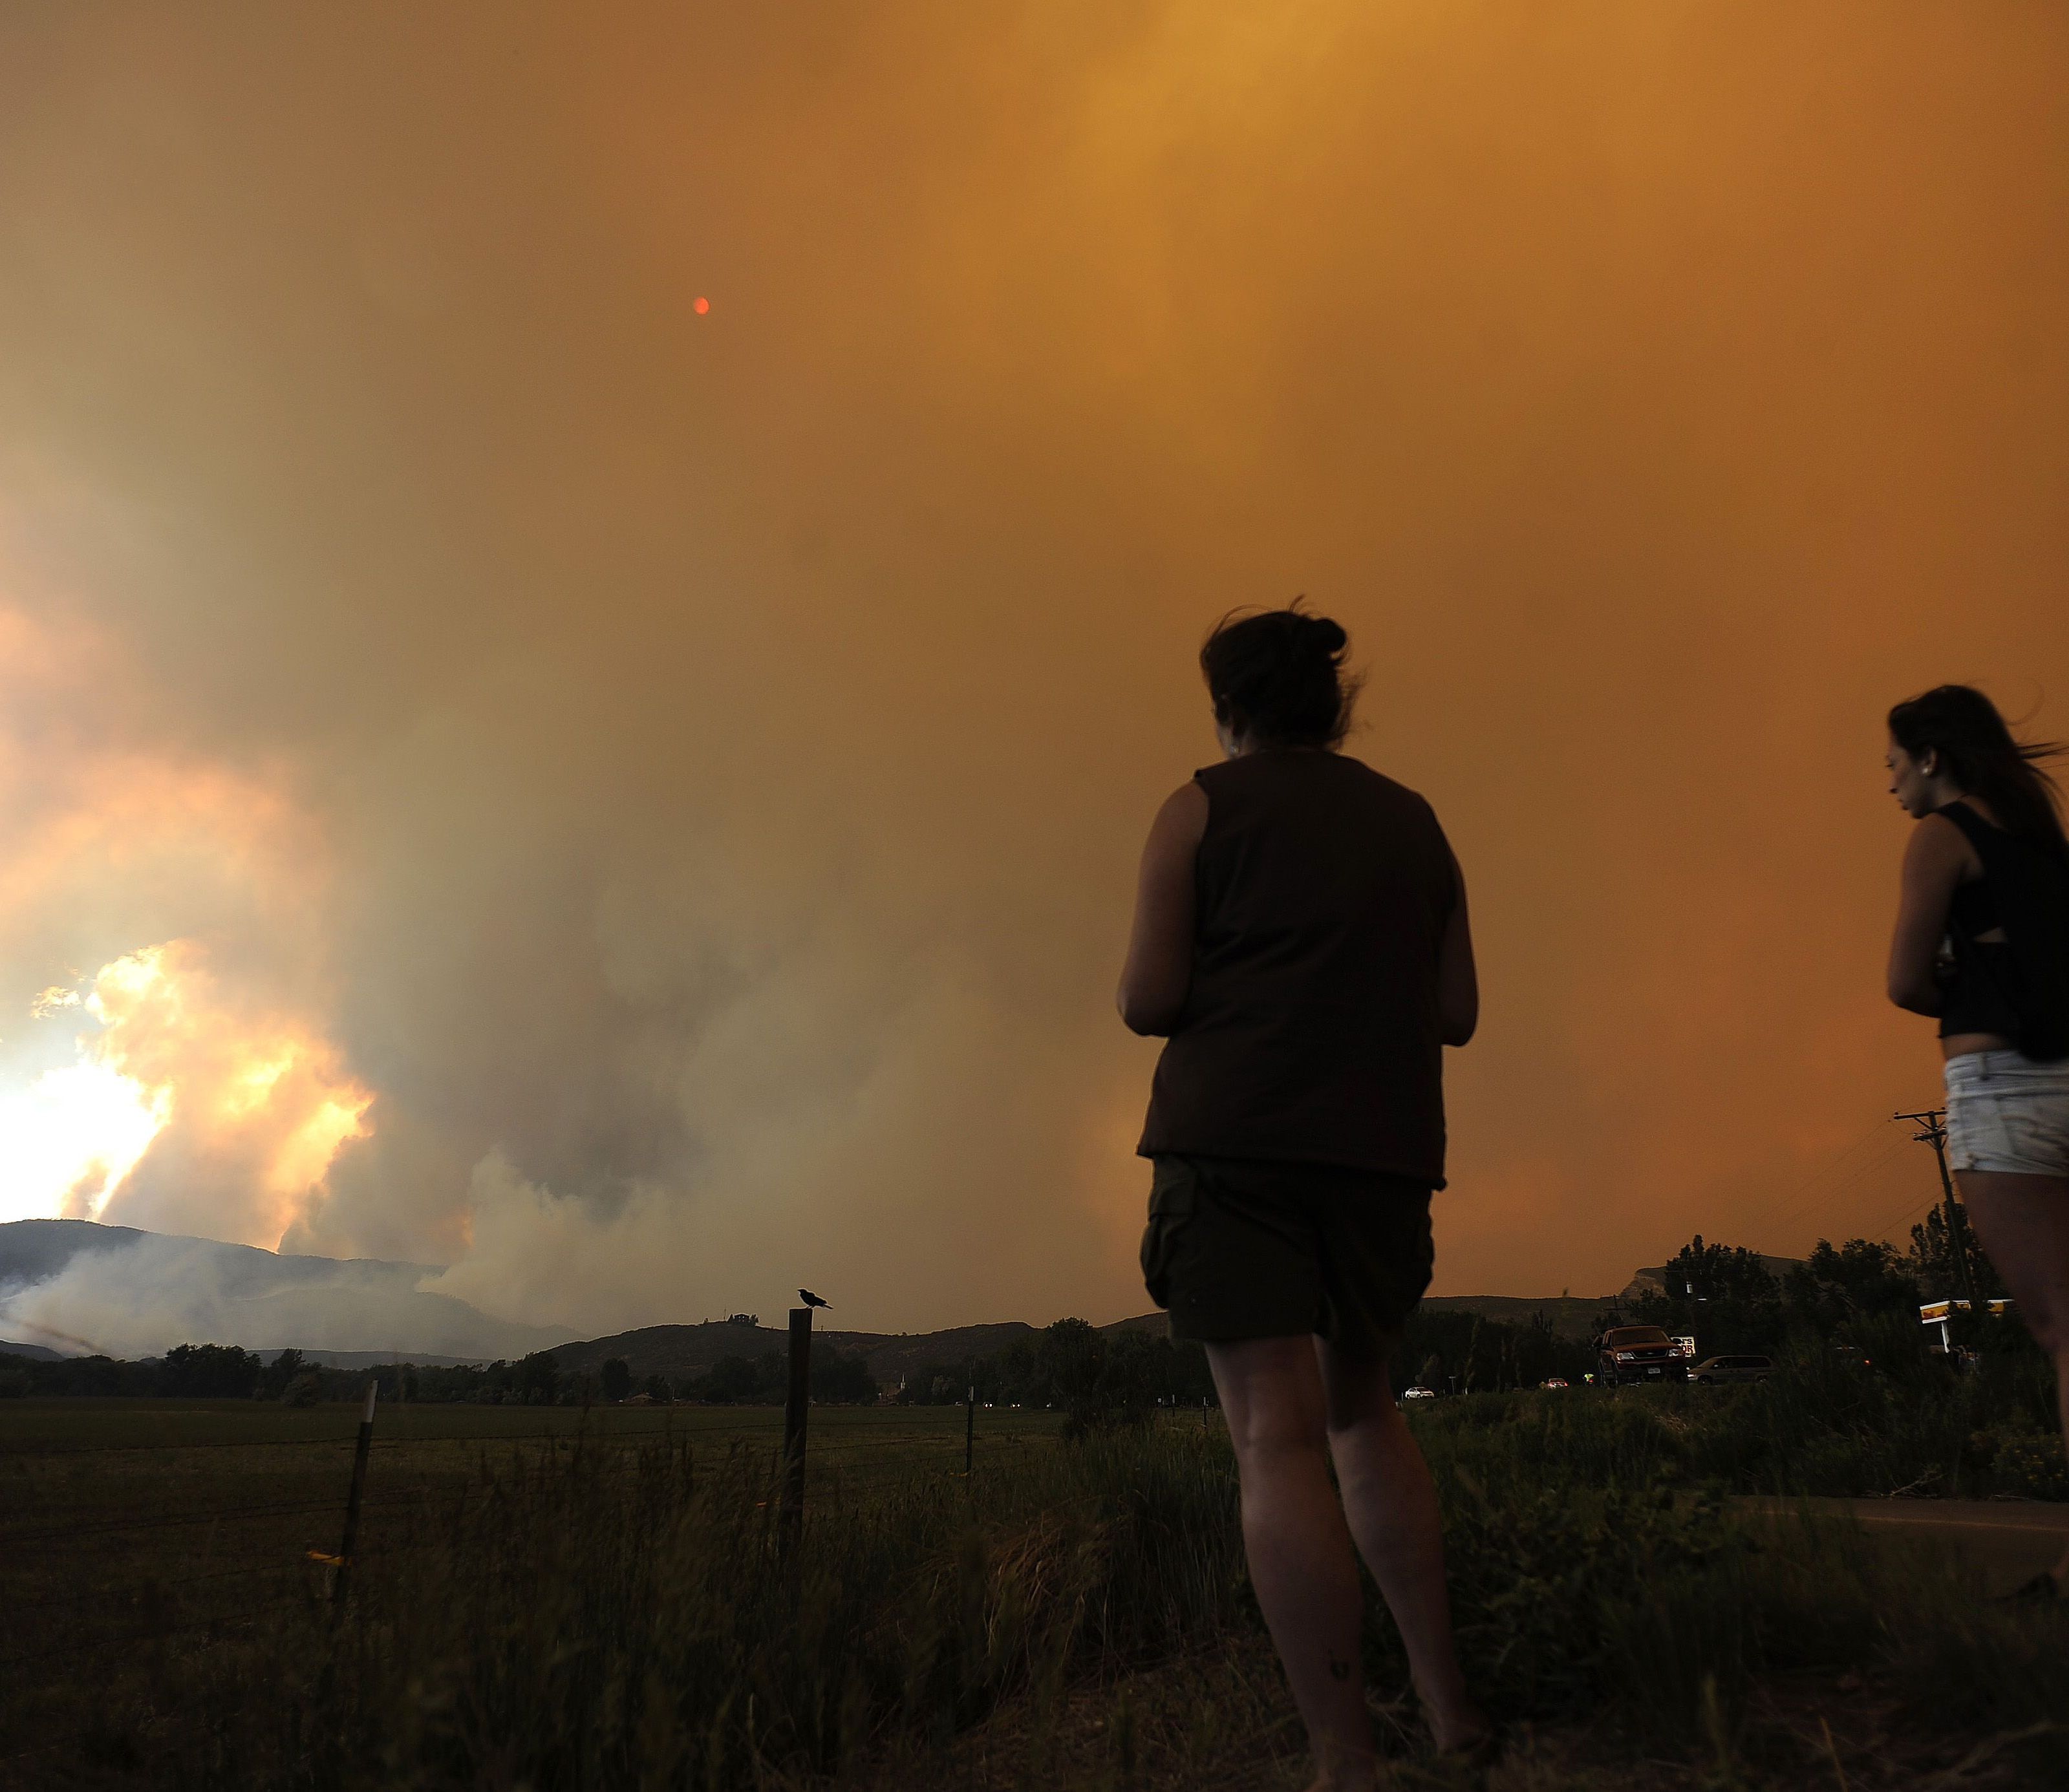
(610, 1601)
(568, 1613)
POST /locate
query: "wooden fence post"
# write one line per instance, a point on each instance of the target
(790, 1511)
(337, 1587)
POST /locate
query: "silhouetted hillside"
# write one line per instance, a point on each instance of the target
(1572, 1315)
(81, 1287)
(687, 1350)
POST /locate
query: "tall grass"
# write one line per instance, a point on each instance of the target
(584, 1619)
(593, 1619)
(1823, 1426)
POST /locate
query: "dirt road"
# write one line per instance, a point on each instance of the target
(2010, 1540)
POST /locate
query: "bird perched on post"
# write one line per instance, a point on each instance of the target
(812, 1299)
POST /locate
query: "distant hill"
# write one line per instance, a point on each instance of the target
(1571, 1316)
(69, 1285)
(75, 1286)
(35, 1353)
(683, 1351)
(376, 1359)
(1157, 1324)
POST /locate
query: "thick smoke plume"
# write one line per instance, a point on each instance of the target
(673, 776)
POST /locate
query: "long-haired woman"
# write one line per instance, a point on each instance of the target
(1982, 943)
(1300, 941)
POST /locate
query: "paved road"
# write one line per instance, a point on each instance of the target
(2010, 1540)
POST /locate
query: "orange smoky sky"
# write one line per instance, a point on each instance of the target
(666, 786)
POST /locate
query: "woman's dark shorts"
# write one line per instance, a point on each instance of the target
(1236, 1249)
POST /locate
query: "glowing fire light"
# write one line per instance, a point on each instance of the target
(72, 1136)
(259, 1091)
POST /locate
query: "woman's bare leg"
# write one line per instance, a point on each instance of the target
(1391, 1504)
(2023, 1221)
(1298, 1545)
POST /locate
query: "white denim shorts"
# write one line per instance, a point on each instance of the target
(2007, 1113)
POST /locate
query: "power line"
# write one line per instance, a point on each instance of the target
(1829, 1165)
(1910, 1213)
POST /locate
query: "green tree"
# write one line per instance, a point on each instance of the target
(1700, 1272)
(210, 1371)
(729, 1380)
(1864, 1278)
(1074, 1354)
(279, 1373)
(1722, 1295)
(538, 1378)
(1934, 1266)
(842, 1380)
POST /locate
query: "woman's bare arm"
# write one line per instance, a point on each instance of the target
(1159, 971)
(1933, 862)
(1458, 980)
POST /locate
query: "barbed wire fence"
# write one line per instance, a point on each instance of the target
(157, 1577)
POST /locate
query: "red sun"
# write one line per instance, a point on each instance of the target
(701, 306)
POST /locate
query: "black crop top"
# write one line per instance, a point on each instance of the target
(1975, 908)
(1987, 988)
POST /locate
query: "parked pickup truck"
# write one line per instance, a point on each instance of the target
(1633, 1353)
(1732, 1368)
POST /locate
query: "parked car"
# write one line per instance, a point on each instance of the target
(1733, 1368)
(1630, 1353)
(1555, 1380)
(1420, 1394)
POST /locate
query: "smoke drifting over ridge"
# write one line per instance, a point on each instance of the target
(687, 768)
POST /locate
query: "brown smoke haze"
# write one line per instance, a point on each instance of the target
(642, 806)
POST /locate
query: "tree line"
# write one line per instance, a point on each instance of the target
(224, 1371)
(1865, 1293)
(1730, 1301)
(1099, 1376)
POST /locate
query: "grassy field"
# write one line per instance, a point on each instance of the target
(557, 1600)
(125, 1520)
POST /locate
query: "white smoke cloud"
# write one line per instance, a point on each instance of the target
(140, 1297)
(688, 768)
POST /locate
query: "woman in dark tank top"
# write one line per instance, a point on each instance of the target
(1300, 941)
(1982, 943)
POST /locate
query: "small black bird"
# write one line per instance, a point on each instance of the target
(812, 1299)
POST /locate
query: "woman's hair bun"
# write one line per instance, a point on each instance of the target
(1277, 676)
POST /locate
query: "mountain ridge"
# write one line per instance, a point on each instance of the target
(356, 1312)
(121, 1290)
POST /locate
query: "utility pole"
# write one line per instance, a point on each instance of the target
(1934, 1132)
